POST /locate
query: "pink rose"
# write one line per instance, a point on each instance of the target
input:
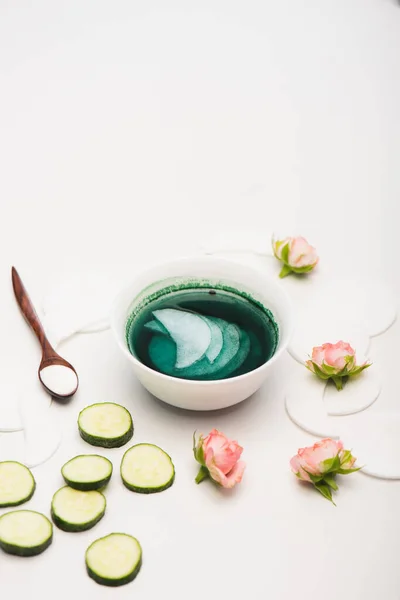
(337, 356)
(335, 361)
(296, 254)
(219, 457)
(311, 460)
(321, 463)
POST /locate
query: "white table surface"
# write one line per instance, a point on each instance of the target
(129, 131)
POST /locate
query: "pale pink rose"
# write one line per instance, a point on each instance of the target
(311, 459)
(221, 457)
(336, 362)
(336, 356)
(296, 255)
(301, 254)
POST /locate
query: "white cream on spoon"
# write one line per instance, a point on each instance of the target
(61, 380)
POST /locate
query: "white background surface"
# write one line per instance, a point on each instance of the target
(130, 130)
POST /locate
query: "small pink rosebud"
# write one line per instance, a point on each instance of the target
(219, 457)
(319, 465)
(335, 361)
(310, 461)
(296, 254)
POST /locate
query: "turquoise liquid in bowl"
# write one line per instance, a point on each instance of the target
(202, 333)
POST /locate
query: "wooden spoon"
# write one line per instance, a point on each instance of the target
(57, 376)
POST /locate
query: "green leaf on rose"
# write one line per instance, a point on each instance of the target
(338, 381)
(325, 490)
(345, 455)
(285, 253)
(343, 373)
(314, 478)
(348, 471)
(320, 373)
(202, 474)
(330, 480)
(198, 449)
(358, 370)
(286, 270)
(309, 365)
(194, 444)
(328, 369)
(276, 245)
(331, 465)
(200, 455)
(194, 440)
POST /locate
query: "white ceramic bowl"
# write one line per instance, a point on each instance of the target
(203, 395)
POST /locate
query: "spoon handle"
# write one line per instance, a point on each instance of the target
(29, 312)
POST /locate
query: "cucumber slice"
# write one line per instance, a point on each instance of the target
(17, 484)
(147, 469)
(87, 472)
(107, 425)
(73, 510)
(25, 533)
(114, 560)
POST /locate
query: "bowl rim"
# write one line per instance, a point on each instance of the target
(289, 323)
